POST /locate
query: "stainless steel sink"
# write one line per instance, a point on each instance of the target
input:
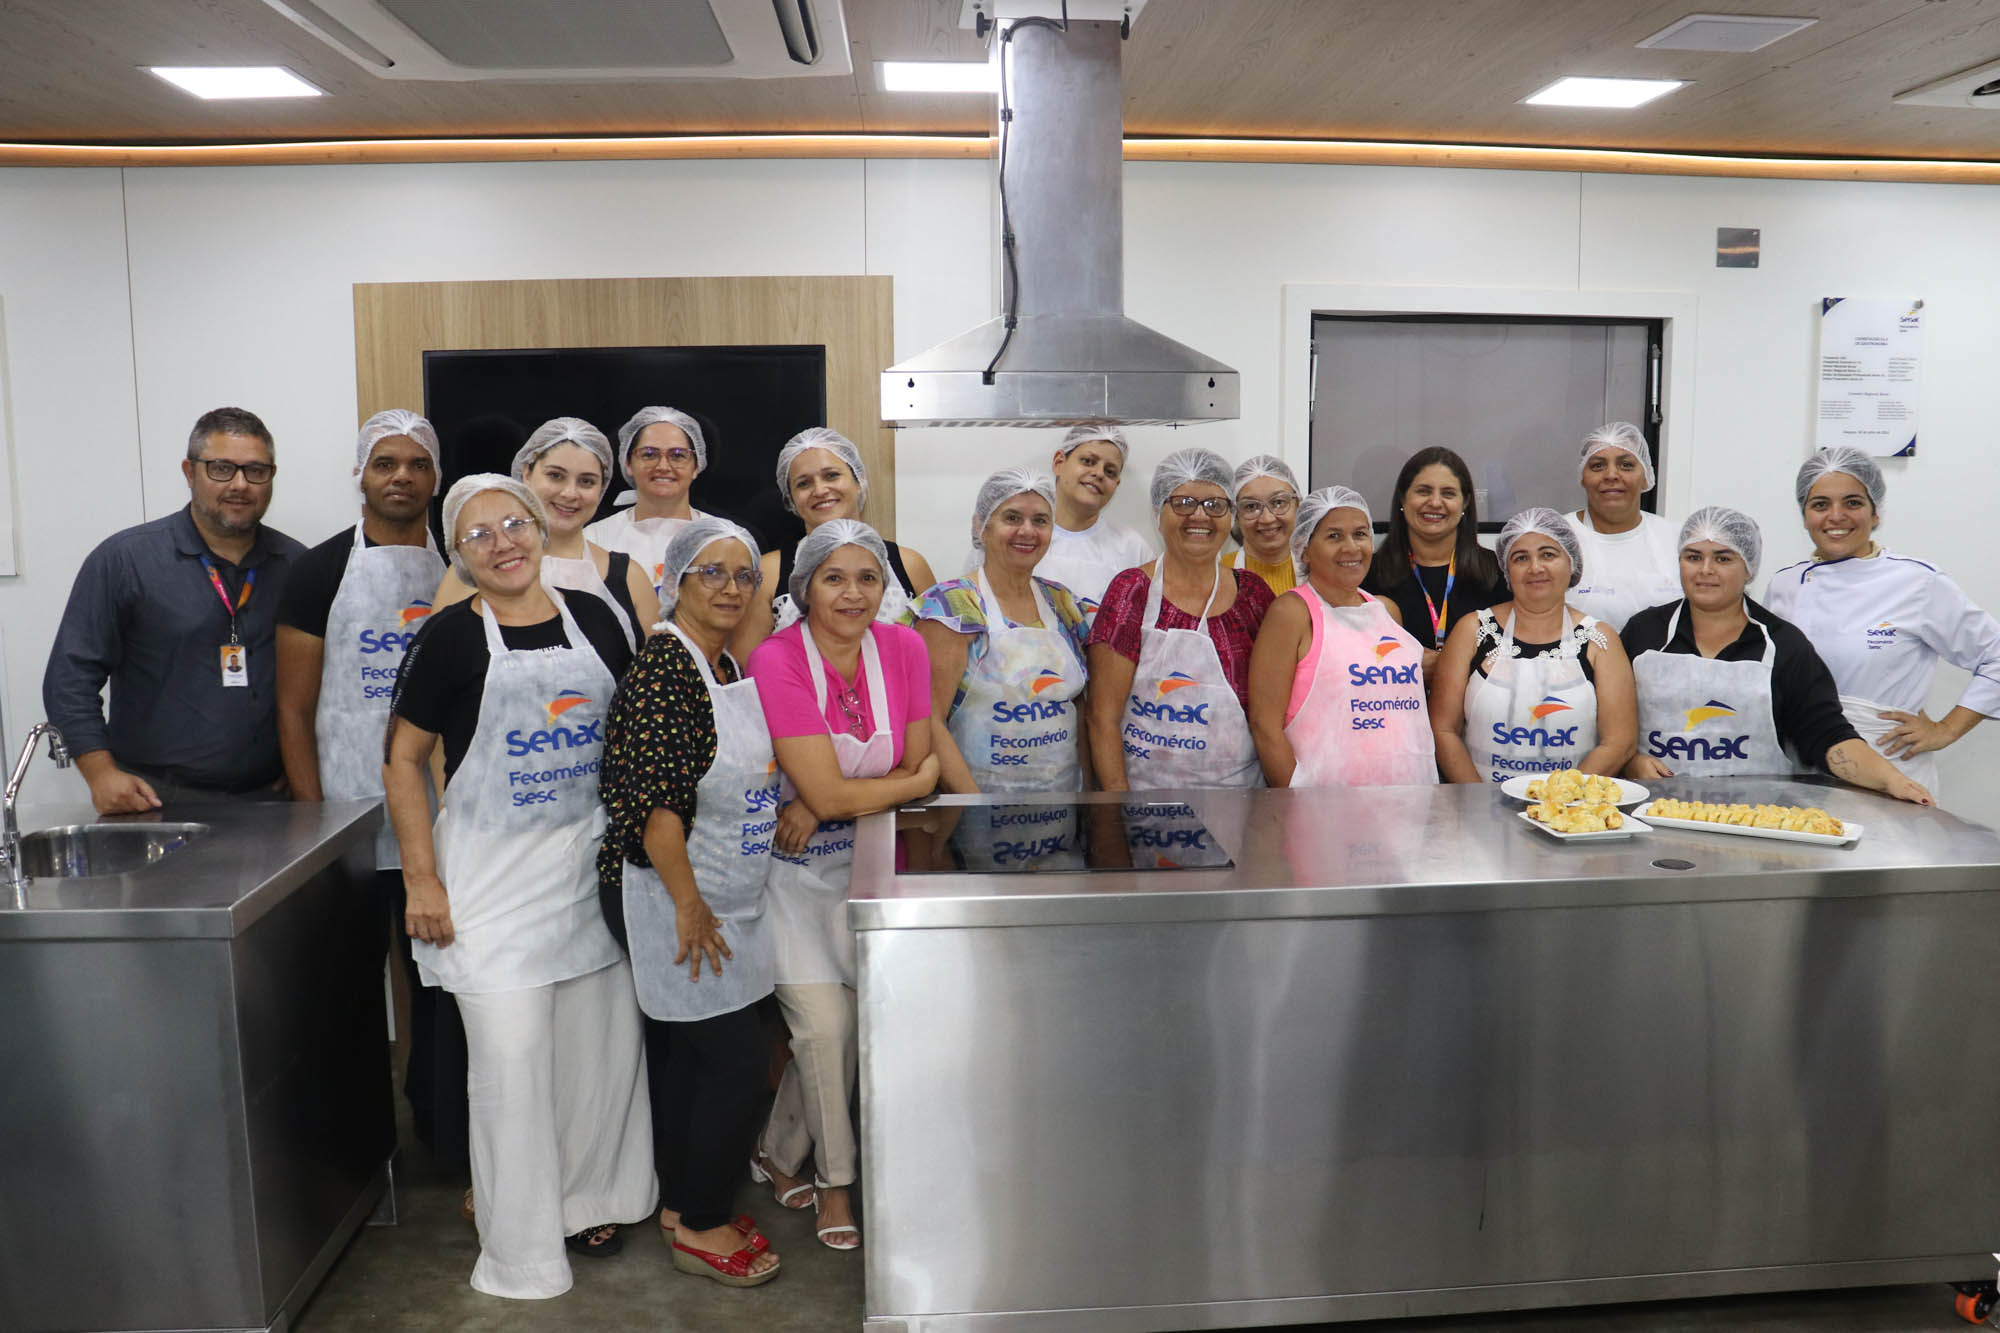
(72, 851)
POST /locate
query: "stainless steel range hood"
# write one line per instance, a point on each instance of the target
(1073, 356)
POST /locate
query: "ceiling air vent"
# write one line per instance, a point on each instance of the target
(1978, 88)
(1733, 33)
(560, 41)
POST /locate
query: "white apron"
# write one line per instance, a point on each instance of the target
(1184, 726)
(644, 539)
(1705, 718)
(736, 810)
(1531, 714)
(561, 571)
(381, 604)
(809, 892)
(1018, 724)
(1364, 721)
(517, 838)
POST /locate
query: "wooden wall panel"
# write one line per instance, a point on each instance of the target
(395, 323)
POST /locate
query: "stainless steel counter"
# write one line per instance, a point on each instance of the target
(1410, 1056)
(194, 1073)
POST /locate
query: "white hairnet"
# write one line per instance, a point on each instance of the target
(1001, 487)
(1316, 506)
(1728, 527)
(1262, 465)
(1843, 458)
(562, 430)
(1618, 435)
(686, 546)
(396, 421)
(1550, 524)
(1079, 436)
(820, 437)
(822, 542)
(628, 435)
(1182, 466)
(479, 483)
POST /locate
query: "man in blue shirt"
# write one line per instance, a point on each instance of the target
(179, 616)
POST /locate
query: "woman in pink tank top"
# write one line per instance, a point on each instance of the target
(1336, 683)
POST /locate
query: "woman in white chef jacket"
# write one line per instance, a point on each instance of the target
(1533, 685)
(661, 451)
(1086, 549)
(1630, 560)
(1336, 682)
(847, 701)
(1727, 688)
(691, 789)
(1170, 648)
(502, 906)
(1882, 621)
(565, 463)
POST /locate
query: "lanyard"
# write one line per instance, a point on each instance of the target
(242, 598)
(1442, 604)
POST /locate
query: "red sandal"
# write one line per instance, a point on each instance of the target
(732, 1270)
(746, 1226)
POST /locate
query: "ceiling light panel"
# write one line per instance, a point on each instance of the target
(1732, 33)
(236, 82)
(1623, 94)
(937, 76)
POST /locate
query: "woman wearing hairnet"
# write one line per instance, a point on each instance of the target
(691, 790)
(661, 451)
(1266, 494)
(1533, 685)
(847, 700)
(1728, 688)
(1431, 564)
(1086, 549)
(565, 463)
(1170, 648)
(502, 892)
(1007, 651)
(820, 478)
(1336, 682)
(1630, 561)
(1882, 621)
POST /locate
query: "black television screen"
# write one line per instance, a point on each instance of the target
(749, 401)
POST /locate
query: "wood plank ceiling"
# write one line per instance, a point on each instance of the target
(1425, 70)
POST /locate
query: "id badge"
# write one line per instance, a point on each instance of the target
(235, 666)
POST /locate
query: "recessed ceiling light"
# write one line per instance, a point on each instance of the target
(937, 76)
(1735, 33)
(236, 81)
(1576, 91)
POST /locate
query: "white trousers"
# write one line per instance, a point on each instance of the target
(810, 1114)
(562, 1132)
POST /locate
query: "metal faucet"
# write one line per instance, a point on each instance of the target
(10, 831)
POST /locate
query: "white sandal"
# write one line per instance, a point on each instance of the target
(784, 1198)
(824, 1232)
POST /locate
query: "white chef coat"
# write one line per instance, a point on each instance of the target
(1085, 562)
(645, 540)
(1626, 572)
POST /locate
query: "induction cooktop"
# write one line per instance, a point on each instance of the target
(1041, 837)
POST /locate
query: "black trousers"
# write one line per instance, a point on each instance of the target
(706, 1079)
(434, 1079)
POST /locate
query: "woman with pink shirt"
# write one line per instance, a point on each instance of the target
(848, 703)
(1336, 682)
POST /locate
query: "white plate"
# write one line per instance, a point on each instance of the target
(1608, 835)
(1629, 793)
(1852, 830)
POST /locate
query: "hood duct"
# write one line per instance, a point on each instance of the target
(1073, 355)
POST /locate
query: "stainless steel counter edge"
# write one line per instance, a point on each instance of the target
(1334, 853)
(216, 887)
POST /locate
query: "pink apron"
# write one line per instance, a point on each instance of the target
(1358, 717)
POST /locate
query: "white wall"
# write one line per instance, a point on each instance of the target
(134, 300)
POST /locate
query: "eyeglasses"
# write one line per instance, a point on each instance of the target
(1215, 506)
(849, 700)
(678, 456)
(715, 578)
(513, 527)
(221, 469)
(1278, 506)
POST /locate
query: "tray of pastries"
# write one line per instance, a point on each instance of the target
(1787, 823)
(1582, 822)
(1572, 786)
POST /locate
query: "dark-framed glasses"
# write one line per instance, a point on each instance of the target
(679, 457)
(514, 526)
(223, 469)
(1215, 506)
(715, 578)
(1278, 506)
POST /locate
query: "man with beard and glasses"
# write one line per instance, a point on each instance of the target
(179, 615)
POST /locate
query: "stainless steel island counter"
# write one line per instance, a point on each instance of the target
(1407, 1055)
(194, 1078)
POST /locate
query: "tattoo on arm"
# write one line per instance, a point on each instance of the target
(1842, 766)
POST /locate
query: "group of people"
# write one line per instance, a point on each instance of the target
(622, 759)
